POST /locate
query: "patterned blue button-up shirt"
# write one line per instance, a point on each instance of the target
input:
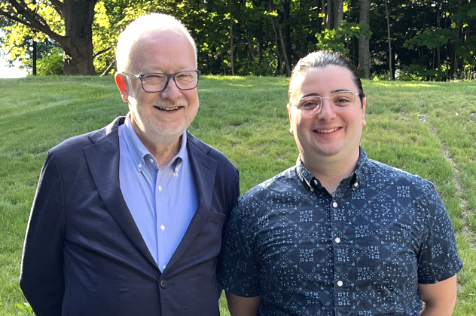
(362, 251)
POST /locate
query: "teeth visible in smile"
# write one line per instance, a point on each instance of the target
(327, 130)
(168, 109)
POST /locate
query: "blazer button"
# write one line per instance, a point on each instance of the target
(163, 284)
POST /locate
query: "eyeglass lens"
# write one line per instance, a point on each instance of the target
(313, 104)
(184, 80)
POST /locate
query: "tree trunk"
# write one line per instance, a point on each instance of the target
(279, 67)
(77, 15)
(323, 11)
(364, 50)
(338, 13)
(329, 14)
(251, 48)
(389, 42)
(78, 44)
(454, 63)
(287, 28)
(438, 49)
(279, 34)
(232, 48)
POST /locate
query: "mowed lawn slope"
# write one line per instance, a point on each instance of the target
(424, 128)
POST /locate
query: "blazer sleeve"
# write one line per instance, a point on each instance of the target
(42, 277)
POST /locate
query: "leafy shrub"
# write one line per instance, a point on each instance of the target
(51, 64)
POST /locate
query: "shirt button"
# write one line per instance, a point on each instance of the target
(340, 283)
(160, 188)
(151, 160)
(162, 227)
(315, 182)
(140, 165)
(334, 204)
(337, 240)
(356, 184)
(163, 284)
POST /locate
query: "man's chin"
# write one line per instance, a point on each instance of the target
(165, 134)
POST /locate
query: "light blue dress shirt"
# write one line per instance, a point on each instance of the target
(161, 199)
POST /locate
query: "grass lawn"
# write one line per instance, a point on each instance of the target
(424, 128)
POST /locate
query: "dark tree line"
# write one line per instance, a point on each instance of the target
(410, 40)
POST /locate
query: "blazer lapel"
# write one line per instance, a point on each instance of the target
(106, 177)
(203, 172)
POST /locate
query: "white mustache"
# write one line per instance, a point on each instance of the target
(168, 104)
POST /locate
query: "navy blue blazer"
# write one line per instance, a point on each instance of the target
(84, 254)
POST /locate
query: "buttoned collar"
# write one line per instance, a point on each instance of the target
(354, 180)
(141, 156)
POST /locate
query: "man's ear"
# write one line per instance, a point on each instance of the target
(364, 104)
(121, 83)
(288, 107)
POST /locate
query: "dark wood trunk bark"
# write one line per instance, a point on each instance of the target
(279, 34)
(389, 43)
(78, 43)
(454, 63)
(287, 29)
(232, 48)
(328, 14)
(338, 13)
(364, 50)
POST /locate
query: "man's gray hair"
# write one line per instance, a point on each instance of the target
(144, 24)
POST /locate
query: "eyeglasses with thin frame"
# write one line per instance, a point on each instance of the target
(157, 82)
(312, 105)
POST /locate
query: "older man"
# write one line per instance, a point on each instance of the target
(338, 233)
(128, 220)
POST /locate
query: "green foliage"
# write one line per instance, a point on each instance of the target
(416, 72)
(51, 64)
(338, 40)
(18, 37)
(431, 39)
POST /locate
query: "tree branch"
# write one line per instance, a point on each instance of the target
(30, 19)
(111, 65)
(12, 17)
(58, 7)
(102, 52)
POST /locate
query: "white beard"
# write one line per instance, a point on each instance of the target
(150, 127)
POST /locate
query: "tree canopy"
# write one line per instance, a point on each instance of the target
(409, 40)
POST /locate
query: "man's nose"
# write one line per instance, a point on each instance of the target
(327, 109)
(171, 91)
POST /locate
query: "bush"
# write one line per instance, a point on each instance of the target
(51, 64)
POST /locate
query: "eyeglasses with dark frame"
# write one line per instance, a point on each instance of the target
(158, 82)
(312, 105)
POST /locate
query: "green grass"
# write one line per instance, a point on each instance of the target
(424, 128)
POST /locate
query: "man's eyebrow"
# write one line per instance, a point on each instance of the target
(315, 94)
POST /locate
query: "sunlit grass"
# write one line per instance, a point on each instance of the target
(424, 128)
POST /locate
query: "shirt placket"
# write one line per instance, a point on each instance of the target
(341, 255)
(161, 203)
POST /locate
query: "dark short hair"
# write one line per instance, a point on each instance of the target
(321, 59)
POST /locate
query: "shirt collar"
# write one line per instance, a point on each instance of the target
(140, 154)
(312, 183)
